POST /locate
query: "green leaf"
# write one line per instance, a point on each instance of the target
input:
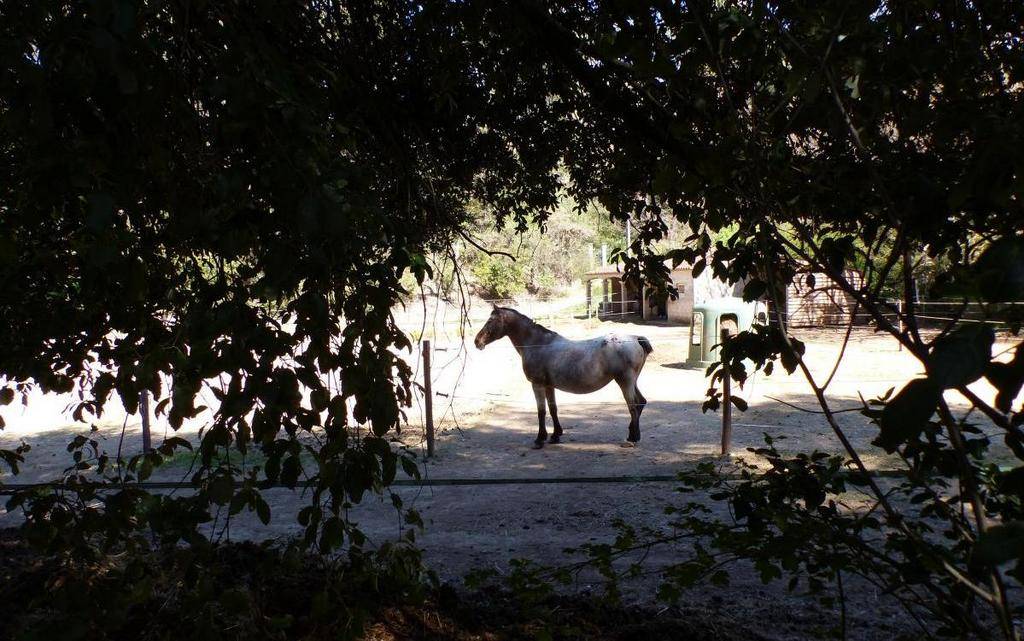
(281, 623)
(678, 256)
(999, 544)
(1011, 482)
(176, 441)
(221, 489)
(239, 500)
(235, 601)
(1000, 270)
(332, 535)
(389, 468)
(907, 414)
(837, 252)
(1007, 378)
(145, 468)
(291, 469)
(262, 509)
(790, 358)
(272, 466)
(768, 570)
(409, 467)
(101, 212)
(754, 289)
(961, 357)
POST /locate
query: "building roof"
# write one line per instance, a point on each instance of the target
(605, 271)
(615, 270)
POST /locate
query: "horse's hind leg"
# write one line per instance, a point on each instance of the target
(635, 401)
(542, 432)
(640, 404)
(557, 436)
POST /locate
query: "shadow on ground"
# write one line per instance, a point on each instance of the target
(498, 442)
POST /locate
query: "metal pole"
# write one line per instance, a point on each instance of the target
(588, 282)
(147, 440)
(428, 404)
(604, 298)
(726, 400)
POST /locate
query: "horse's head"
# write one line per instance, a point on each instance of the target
(495, 328)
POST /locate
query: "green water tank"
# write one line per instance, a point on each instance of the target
(708, 320)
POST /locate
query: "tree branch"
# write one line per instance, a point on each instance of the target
(489, 252)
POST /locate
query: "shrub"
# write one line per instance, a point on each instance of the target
(499, 277)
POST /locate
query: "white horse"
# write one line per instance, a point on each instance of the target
(551, 361)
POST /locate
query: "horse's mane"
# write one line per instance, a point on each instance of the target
(531, 321)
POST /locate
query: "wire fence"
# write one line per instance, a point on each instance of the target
(543, 309)
(935, 314)
(833, 311)
(824, 314)
(451, 362)
(15, 488)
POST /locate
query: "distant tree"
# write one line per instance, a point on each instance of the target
(551, 253)
(498, 277)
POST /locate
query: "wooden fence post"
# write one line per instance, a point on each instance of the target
(147, 440)
(899, 314)
(428, 404)
(726, 399)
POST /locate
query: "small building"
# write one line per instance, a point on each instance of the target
(673, 310)
(691, 291)
(615, 296)
(618, 297)
(814, 300)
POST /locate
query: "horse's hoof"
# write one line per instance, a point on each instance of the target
(538, 444)
(629, 444)
(554, 440)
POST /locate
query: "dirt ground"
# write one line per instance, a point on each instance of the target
(486, 421)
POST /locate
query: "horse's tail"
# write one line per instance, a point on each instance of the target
(646, 344)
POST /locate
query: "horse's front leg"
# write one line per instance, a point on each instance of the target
(557, 436)
(542, 432)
